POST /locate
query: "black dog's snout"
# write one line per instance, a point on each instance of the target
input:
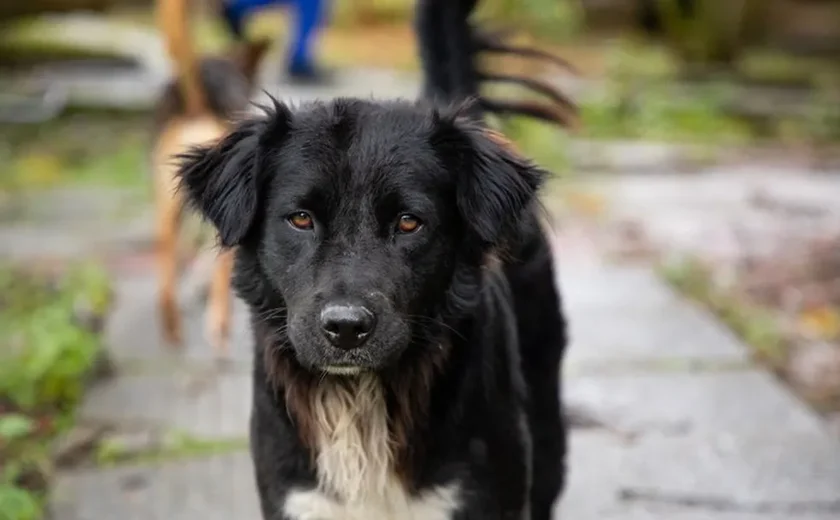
(347, 326)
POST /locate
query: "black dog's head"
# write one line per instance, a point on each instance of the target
(366, 223)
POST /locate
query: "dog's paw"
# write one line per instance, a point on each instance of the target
(171, 322)
(216, 333)
(172, 335)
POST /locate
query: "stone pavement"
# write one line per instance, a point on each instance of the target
(681, 426)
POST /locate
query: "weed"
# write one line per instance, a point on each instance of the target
(47, 351)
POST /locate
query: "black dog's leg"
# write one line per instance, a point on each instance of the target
(542, 336)
(275, 450)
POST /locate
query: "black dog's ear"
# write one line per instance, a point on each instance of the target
(222, 180)
(495, 182)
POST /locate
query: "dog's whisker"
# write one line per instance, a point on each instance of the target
(419, 320)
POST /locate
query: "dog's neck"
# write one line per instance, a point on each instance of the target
(365, 432)
(352, 441)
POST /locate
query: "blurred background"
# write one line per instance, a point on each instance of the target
(709, 151)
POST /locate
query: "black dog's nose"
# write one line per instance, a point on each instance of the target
(347, 326)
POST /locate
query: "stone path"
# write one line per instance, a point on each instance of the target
(683, 426)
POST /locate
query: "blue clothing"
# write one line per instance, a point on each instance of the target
(308, 18)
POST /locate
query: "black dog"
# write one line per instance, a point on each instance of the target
(386, 251)
(409, 335)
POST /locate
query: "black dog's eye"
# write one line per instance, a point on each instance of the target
(301, 220)
(408, 223)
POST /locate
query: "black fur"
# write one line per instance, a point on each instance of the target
(477, 278)
(227, 82)
(356, 166)
(452, 74)
(449, 50)
(228, 93)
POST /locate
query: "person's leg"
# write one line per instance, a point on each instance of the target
(236, 12)
(310, 15)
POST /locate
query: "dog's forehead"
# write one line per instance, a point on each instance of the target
(366, 140)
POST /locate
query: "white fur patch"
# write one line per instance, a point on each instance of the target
(436, 504)
(355, 464)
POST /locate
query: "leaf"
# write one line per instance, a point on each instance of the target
(18, 504)
(823, 321)
(39, 169)
(15, 426)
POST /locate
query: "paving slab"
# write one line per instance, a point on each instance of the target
(746, 471)
(610, 287)
(217, 488)
(25, 241)
(73, 223)
(628, 314)
(204, 404)
(682, 332)
(134, 330)
(742, 402)
(720, 211)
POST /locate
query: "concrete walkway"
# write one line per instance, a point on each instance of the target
(682, 426)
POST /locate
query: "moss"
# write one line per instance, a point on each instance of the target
(48, 349)
(79, 148)
(173, 446)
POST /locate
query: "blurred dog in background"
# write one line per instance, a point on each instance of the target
(196, 107)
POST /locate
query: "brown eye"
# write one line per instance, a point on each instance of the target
(408, 224)
(301, 220)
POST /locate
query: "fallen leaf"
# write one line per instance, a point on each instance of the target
(38, 170)
(822, 321)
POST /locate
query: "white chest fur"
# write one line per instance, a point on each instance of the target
(355, 463)
(437, 504)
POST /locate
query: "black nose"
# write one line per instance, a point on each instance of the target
(347, 326)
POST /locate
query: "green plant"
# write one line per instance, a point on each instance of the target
(14, 426)
(546, 19)
(45, 348)
(823, 115)
(173, 445)
(80, 147)
(711, 33)
(544, 143)
(18, 504)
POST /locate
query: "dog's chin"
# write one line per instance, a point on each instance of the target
(323, 359)
(344, 370)
(316, 355)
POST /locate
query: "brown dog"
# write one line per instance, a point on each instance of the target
(195, 108)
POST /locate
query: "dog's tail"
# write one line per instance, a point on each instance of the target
(173, 21)
(449, 51)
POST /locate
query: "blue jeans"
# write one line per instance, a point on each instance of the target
(309, 14)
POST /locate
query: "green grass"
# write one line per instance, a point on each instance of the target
(649, 115)
(544, 143)
(79, 148)
(47, 352)
(174, 446)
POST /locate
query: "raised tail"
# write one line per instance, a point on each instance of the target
(173, 21)
(449, 49)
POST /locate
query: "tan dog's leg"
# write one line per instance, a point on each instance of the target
(168, 220)
(179, 135)
(168, 202)
(218, 311)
